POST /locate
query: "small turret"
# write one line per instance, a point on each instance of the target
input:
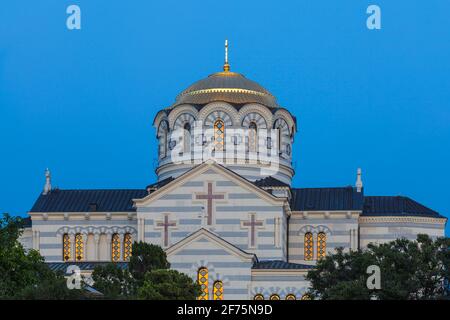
(48, 182)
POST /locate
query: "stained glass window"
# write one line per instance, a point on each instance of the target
(309, 246)
(274, 297)
(115, 247)
(218, 290)
(219, 135)
(252, 137)
(66, 247)
(202, 278)
(258, 297)
(321, 245)
(79, 247)
(291, 297)
(127, 245)
(306, 297)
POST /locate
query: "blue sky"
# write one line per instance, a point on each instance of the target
(82, 102)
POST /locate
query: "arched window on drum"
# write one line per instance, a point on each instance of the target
(219, 135)
(253, 137)
(187, 138)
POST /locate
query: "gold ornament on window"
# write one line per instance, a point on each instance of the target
(127, 246)
(218, 290)
(291, 297)
(321, 245)
(66, 247)
(219, 135)
(115, 248)
(79, 247)
(202, 278)
(309, 246)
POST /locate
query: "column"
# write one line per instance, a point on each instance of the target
(121, 237)
(315, 246)
(108, 246)
(84, 237)
(72, 246)
(36, 240)
(97, 247)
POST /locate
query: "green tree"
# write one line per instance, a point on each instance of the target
(24, 273)
(146, 257)
(168, 285)
(148, 277)
(114, 282)
(409, 270)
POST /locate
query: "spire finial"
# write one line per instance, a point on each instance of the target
(48, 182)
(359, 184)
(226, 66)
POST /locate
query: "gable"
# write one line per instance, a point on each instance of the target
(205, 243)
(200, 176)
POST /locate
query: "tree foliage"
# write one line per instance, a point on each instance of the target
(148, 277)
(168, 284)
(114, 282)
(24, 275)
(409, 270)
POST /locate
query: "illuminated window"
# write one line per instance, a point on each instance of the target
(218, 290)
(79, 249)
(202, 278)
(274, 297)
(115, 247)
(253, 137)
(291, 297)
(66, 247)
(321, 245)
(258, 297)
(306, 297)
(309, 246)
(127, 245)
(219, 135)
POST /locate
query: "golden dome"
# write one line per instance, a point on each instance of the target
(226, 86)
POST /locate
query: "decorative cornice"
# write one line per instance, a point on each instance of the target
(394, 219)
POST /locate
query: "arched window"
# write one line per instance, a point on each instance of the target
(291, 297)
(321, 245)
(66, 247)
(202, 278)
(279, 140)
(258, 296)
(306, 297)
(79, 247)
(219, 135)
(309, 246)
(127, 245)
(218, 290)
(163, 131)
(187, 137)
(274, 297)
(253, 137)
(115, 247)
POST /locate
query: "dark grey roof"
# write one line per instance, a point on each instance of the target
(396, 206)
(319, 199)
(270, 182)
(119, 200)
(278, 264)
(161, 183)
(84, 266)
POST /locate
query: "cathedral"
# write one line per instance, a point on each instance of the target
(223, 206)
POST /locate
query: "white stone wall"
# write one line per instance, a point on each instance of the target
(341, 228)
(48, 229)
(385, 229)
(279, 282)
(182, 207)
